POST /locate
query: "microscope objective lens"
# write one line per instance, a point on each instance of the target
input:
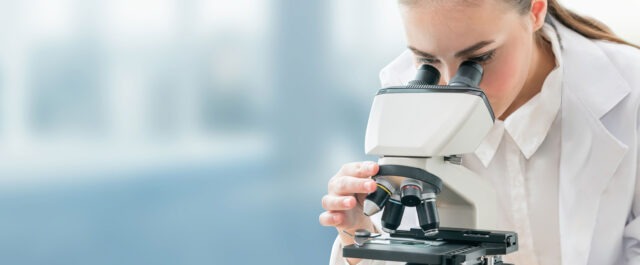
(411, 195)
(428, 216)
(392, 216)
(375, 201)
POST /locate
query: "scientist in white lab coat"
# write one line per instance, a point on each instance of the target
(563, 154)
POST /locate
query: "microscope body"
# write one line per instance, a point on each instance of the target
(419, 133)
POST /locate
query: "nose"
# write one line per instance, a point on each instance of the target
(444, 80)
(446, 73)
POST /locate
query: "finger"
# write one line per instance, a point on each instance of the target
(347, 185)
(359, 169)
(331, 218)
(338, 203)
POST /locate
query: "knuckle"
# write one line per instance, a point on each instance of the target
(352, 185)
(365, 169)
(339, 184)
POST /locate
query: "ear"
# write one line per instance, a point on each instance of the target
(538, 13)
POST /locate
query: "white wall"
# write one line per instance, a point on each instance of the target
(620, 15)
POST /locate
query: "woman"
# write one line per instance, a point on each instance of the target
(563, 154)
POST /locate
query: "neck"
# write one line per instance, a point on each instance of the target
(542, 63)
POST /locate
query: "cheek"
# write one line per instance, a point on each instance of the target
(503, 79)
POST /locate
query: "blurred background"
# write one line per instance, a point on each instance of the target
(188, 131)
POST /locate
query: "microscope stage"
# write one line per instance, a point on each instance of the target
(450, 246)
(412, 252)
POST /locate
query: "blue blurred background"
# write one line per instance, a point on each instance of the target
(186, 131)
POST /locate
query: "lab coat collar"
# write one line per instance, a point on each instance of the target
(590, 154)
(600, 85)
(489, 145)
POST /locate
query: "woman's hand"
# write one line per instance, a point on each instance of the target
(347, 192)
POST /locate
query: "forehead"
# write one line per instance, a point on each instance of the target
(502, 5)
(442, 26)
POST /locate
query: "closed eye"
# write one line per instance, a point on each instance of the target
(484, 58)
(427, 60)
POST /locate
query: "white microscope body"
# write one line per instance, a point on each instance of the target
(419, 132)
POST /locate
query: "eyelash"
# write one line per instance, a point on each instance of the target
(427, 60)
(482, 59)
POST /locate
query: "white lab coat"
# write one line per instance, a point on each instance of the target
(599, 191)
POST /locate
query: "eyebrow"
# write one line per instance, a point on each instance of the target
(467, 51)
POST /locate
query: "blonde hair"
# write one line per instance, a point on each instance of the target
(585, 26)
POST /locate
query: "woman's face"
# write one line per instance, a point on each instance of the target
(490, 32)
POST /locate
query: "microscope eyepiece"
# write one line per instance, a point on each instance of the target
(426, 75)
(469, 74)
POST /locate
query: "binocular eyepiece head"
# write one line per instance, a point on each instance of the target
(469, 74)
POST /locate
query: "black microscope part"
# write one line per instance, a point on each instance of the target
(379, 197)
(392, 215)
(496, 242)
(411, 172)
(410, 195)
(428, 216)
(469, 74)
(466, 80)
(426, 75)
(456, 246)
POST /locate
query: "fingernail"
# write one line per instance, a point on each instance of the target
(368, 166)
(345, 202)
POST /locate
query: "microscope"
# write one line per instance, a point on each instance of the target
(419, 132)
